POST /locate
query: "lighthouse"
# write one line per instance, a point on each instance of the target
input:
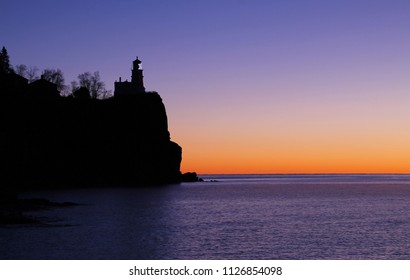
(136, 86)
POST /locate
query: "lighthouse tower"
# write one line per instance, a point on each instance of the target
(137, 78)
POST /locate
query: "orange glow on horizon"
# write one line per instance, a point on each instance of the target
(244, 165)
(375, 141)
(281, 166)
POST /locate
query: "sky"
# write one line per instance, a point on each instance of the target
(262, 86)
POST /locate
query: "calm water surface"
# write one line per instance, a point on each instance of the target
(238, 217)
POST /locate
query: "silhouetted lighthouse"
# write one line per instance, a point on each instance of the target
(136, 86)
(137, 78)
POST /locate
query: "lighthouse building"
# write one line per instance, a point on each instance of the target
(136, 86)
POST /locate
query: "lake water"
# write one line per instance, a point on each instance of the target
(237, 217)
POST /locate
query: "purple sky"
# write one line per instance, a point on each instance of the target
(227, 69)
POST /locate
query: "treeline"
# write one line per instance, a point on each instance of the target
(90, 81)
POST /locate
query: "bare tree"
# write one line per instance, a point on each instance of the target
(21, 70)
(85, 80)
(106, 94)
(55, 76)
(32, 74)
(94, 84)
(74, 86)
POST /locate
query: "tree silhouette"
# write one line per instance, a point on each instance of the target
(73, 87)
(93, 83)
(21, 70)
(5, 67)
(55, 76)
(30, 73)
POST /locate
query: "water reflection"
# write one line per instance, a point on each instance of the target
(229, 219)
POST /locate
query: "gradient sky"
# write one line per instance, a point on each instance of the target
(275, 86)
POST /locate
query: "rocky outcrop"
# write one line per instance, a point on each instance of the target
(191, 177)
(80, 141)
(13, 210)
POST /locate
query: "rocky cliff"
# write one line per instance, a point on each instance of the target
(75, 142)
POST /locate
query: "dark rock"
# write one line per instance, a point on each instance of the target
(190, 177)
(13, 210)
(49, 140)
(74, 141)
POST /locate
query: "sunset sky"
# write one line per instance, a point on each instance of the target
(262, 86)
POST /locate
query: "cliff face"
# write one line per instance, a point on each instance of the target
(75, 142)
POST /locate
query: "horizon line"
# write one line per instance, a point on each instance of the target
(333, 173)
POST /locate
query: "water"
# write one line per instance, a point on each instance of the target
(238, 217)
